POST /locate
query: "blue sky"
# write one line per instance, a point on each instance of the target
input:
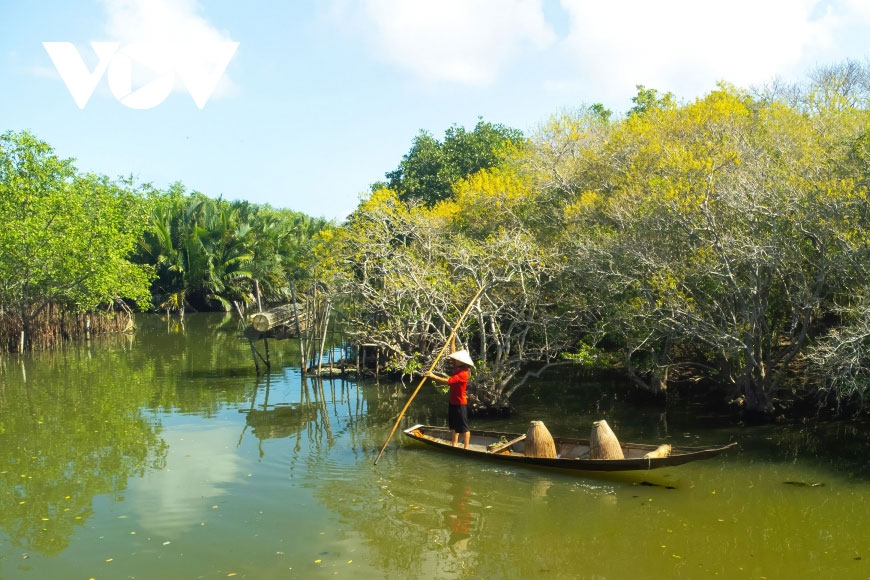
(322, 97)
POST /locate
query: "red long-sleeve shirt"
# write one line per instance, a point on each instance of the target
(457, 382)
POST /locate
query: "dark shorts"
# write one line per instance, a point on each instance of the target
(457, 418)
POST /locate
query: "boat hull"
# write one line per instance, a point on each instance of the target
(572, 453)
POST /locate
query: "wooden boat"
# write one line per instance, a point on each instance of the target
(572, 453)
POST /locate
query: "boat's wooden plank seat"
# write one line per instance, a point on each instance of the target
(505, 445)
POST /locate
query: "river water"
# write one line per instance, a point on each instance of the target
(163, 455)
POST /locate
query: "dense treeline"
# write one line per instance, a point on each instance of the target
(77, 249)
(720, 242)
(210, 253)
(64, 242)
(723, 239)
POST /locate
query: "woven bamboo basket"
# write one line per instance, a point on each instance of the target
(603, 443)
(539, 442)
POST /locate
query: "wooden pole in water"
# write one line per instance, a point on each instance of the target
(323, 339)
(298, 327)
(431, 368)
(254, 352)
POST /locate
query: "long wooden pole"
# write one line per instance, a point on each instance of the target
(431, 368)
(302, 364)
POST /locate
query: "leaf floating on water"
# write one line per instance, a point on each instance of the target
(109, 559)
(318, 561)
(351, 561)
(231, 574)
(804, 484)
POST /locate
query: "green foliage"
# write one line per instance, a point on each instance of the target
(601, 112)
(647, 100)
(718, 238)
(209, 253)
(589, 356)
(430, 169)
(65, 237)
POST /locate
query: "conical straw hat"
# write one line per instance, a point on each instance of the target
(463, 357)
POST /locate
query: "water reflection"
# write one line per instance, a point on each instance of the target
(283, 419)
(457, 518)
(196, 476)
(279, 421)
(166, 453)
(69, 433)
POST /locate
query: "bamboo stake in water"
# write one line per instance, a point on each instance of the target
(323, 338)
(431, 368)
(298, 328)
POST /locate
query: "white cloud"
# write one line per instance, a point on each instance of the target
(685, 46)
(461, 41)
(159, 22)
(170, 24)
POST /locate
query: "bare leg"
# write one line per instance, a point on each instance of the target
(455, 438)
(467, 435)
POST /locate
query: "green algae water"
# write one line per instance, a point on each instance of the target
(163, 455)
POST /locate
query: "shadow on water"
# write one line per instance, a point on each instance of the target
(223, 373)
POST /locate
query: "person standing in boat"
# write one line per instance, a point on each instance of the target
(457, 409)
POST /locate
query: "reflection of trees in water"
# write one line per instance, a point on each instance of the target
(331, 422)
(319, 403)
(836, 446)
(71, 421)
(71, 428)
(199, 365)
(280, 421)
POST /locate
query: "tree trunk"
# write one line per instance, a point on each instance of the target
(263, 321)
(756, 399)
